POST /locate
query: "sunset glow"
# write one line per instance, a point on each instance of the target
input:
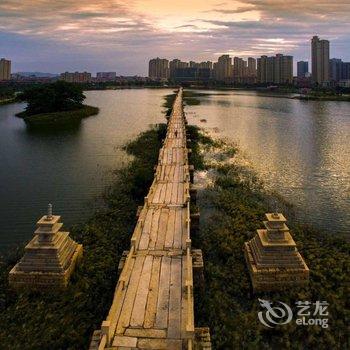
(123, 35)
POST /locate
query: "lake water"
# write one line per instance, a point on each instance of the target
(301, 149)
(67, 168)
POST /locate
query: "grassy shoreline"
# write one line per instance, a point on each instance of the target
(323, 98)
(7, 101)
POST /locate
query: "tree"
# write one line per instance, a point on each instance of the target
(57, 97)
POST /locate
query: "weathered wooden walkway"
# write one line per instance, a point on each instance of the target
(153, 301)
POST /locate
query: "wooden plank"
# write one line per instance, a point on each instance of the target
(169, 237)
(169, 155)
(174, 328)
(163, 294)
(128, 304)
(181, 172)
(162, 193)
(156, 195)
(156, 344)
(163, 220)
(138, 312)
(125, 341)
(163, 173)
(174, 194)
(120, 302)
(145, 235)
(175, 176)
(151, 306)
(169, 187)
(166, 173)
(180, 193)
(154, 228)
(146, 333)
(178, 229)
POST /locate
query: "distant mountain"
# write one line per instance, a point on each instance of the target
(38, 74)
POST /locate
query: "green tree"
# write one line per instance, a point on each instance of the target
(57, 97)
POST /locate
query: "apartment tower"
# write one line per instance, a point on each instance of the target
(158, 68)
(223, 68)
(5, 69)
(320, 60)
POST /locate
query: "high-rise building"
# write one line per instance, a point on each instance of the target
(174, 64)
(276, 69)
(283, 69)
(5, 69)
(223, 68)
(207, 64)
(158, 68)
(302, 69)
(345, 71)
(251, 67)
(335, 69)
(76, 77)
(320, 60)
(239, 66)
(194, 64)
(261, 73)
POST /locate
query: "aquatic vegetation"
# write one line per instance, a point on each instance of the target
(234, 205)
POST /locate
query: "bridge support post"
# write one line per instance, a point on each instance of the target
(193, 194)
(122, 261)
(191, 170)
(198, 268)
(107, 331)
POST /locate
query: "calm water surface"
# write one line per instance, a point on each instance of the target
(68, 168)
(301, 149)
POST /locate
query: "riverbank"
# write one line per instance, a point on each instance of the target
(67, 320)
(289, 94)
(58, 118)
(233, 201)
(341, 98)
(7, 101)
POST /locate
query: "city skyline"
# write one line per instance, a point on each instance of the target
(123, 35)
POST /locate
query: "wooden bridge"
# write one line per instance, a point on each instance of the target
(153, 306)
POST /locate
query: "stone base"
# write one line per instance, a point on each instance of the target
(274, 278)
(20, 280)
(202, 339)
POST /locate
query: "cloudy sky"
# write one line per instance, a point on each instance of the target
(122, 35)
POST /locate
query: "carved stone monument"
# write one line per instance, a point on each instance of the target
(49, 258)
(272, 257)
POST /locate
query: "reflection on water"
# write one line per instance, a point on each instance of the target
(300, 148)
(66, 167)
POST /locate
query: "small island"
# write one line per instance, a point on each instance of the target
(56, 104)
